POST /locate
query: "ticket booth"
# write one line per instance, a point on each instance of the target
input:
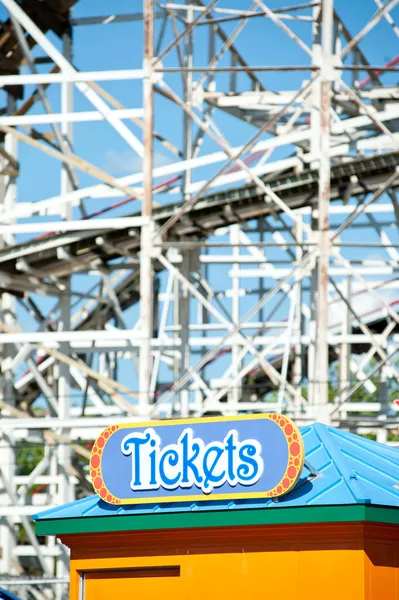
(235, 508)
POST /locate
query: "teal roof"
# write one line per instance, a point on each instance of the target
(341, 469)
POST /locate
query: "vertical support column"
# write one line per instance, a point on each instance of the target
(67, 127)
(386, 375)
(383, 396)
(383, 387)
(322, 56)
(345, 349)
(337, 50)
(51, 541)
(184, 296)
(324, 202)
(184, 321)
(314, 148)
(8, 540)
(298, 327)
(176, 324)
(198, 398)
(236, 392)
(205, 318)
(205, 267)
(211, 56)
(262, 237)
(233, 75)
(311, 362)
(146, 274)
(188, 93)
(65, 487)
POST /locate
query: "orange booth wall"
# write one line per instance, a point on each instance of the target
(332, 561)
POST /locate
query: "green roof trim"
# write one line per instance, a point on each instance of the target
(230, 518)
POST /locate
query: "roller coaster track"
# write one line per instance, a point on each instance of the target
(82, 250)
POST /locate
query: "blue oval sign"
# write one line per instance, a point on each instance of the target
(257, 456)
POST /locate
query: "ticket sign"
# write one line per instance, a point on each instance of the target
(257, 456)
